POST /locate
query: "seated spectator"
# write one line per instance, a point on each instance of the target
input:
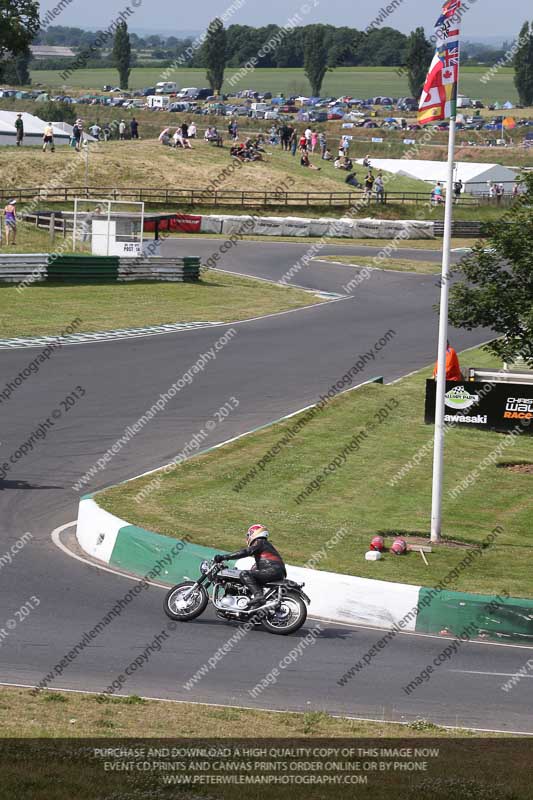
(304, 161)
(351, 179)
(177, 139)
(327, 155)
(164, 136)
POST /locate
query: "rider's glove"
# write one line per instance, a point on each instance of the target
(218, 558)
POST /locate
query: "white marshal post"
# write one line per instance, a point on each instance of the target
(438, 451)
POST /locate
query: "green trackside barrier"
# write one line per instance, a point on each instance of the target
(137, 550)
(83, 268)
(458, 612)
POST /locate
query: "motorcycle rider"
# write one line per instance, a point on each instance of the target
(269, 565)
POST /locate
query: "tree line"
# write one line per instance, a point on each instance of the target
(315, 48)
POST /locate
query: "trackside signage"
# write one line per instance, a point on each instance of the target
(495, 406)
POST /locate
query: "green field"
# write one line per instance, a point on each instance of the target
(360, 82)
(214, 497)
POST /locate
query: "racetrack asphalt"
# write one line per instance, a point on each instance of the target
(274, 366)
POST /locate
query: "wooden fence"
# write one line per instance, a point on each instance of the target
(227, 197)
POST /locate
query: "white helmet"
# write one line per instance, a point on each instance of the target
(256, 532)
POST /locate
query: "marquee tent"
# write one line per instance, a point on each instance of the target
(475, 177)
(33, 129)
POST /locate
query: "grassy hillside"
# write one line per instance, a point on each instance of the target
(149, 164)
(356, 81)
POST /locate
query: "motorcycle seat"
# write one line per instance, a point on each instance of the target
(285, 582)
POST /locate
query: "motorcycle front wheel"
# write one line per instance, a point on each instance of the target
(289, 617)
(181, 607)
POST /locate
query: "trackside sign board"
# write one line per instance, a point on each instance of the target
(494, 406)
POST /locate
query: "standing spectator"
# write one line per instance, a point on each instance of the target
(184, 130)
(345, 145)
(122, 130)
(293, 141)
(379, 188)
(436, 194)
(308, 136)
(369, 185)
(191, 131)
(314, 140)
(457, 189)
(492, 191)
(107, 132)
(302, 144)
(95, 130)
(10, 219)
(284, 136)
(76, 133)
(134, 128)
(500, 191)
(322, 141)
(48, 137)
(19, 127)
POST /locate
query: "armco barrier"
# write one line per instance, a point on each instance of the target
(334, 597)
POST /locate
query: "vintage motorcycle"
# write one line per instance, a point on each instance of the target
(283, 610)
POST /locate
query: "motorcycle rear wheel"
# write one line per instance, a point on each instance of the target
(194, 605)
(289, 618)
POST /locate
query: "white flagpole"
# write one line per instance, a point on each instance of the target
(438, 451)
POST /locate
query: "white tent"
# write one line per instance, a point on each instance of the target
(33, 129)
(475, 177)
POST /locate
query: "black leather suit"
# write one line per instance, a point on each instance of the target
(269, 565)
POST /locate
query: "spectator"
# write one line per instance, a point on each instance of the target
(327, 155)
(351, 179)
(134, 128)
(345, 145)
(314, 140)
(308, 137)
(379, 188)
(366, 162)
(122, 130)
(492, 191)
(369, 184)
(453, 370)
(322, 142)
(164, 136)
(48, 137)
(76, 133)
(457, 189)
(191, 131)
(293, 141)
(19, 127)
(10, 221)
(436, 194)
(284, 136)
(304, 161)
(95, 130)
(302, 144)
(500, 191)
(107, 132)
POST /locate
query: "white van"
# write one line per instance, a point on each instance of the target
(166, 87)
(189, 93)
(157, 101)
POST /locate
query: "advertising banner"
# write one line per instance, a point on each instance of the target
(494, 406)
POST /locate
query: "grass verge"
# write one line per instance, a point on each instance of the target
(69, 714)
(394, 264)
(48, 309)
(214, 497)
